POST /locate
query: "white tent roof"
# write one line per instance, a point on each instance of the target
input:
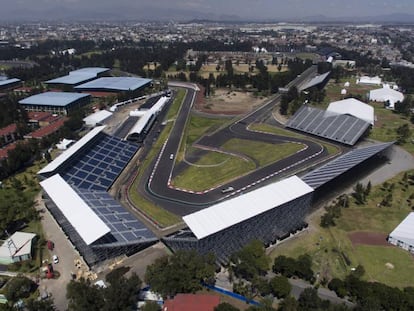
(370, 80)
(386, 93)
(228, 213)
(353, 107)
(89, 226)
(71, 151)
(405, 230)
(97, 117)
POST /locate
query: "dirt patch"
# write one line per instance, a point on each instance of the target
(228, 102)
(368, 238)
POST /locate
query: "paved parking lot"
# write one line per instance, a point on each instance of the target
(67, 256)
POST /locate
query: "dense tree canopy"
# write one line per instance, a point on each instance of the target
(251, 261)
(182, 272)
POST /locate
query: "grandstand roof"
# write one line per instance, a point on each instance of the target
(386, 94)
(315, 81)
(369, 80)
(115, 84)
(71, 151)
(345, 129)
(89, 226)
(78, 76)
(340, 165)
(9, 81)
(59, 99)
(354, 108)
(124, 226)
(228, 213)
(405, 230)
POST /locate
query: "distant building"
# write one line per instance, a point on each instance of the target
(9, 84)
(41, 118)
(47, 130)
(79, 76)
(55, 102)
(97, 118)
(343, 63)
(369, 80)
(8, 134)
(386, 94)
(17, 248)
(403, 234)
(115, 84)
(191, 302)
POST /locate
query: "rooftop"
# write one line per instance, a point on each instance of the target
(228, 213)
(78, 76)
(89, 226)
(12, 128)
(115, 84)
(9, 81)
(59, 99)
(48, 129)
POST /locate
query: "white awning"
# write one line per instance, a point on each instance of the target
(89, 226)
(228, 213)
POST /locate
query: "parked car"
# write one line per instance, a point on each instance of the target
(55, 259)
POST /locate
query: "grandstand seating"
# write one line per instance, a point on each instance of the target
(342, 128)
(97, 167)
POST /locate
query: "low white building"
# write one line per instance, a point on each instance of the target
(369, 80)
(17, 248)
(403, 234)
(97, 118)
(65, 144)
(353, 107)
(386, 94)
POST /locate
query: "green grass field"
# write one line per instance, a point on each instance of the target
(212, 170)
(263, 153)
(329, 247)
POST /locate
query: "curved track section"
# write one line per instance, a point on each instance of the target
(158, 187)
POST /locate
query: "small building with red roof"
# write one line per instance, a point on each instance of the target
(47, 130)
(192, 302)
(4, 151)
(8, 134)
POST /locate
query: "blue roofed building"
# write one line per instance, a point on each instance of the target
(8, 84)
(79, 76)
(55, 102)
(115, 84)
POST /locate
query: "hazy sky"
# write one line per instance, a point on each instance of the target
(255, 9)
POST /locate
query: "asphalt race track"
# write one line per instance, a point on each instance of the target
(155, 184)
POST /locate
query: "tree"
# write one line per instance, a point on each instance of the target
(338, 286)
(224, 306)
(251, 260)
(82, 295)
(182, 272)
(309, 300)
(288, 304)
(403, 133)
(122, 294)
(40, 305)
(280, 286)
(19, 287)
(359, 194)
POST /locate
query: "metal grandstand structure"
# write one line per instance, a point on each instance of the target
(267, 214)
(342, 164)
(342, 128)
(97, 225)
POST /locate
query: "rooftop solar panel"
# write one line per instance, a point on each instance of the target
(340, 165)
(345, 129)
(124, 226)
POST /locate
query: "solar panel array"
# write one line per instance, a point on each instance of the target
(342, 164)
(342, 128)
(97, 167)
(124, 226)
